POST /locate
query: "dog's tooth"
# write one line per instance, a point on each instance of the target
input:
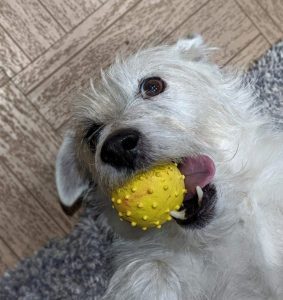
(181, 215)
(200, 194)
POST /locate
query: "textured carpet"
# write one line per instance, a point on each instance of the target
(78, 266)
(267, 73)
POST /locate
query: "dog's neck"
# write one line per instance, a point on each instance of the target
(235, 149)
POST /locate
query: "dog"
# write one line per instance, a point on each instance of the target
(170, 103)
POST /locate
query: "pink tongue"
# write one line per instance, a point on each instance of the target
(198, 170)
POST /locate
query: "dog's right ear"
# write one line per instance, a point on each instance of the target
(193, 48)
(70, 184)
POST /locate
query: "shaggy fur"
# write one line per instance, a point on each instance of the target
(238, 254)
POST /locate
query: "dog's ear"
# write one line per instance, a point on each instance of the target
(192, 48)
(70, 184)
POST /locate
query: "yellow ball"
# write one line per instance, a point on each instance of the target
(147, 198)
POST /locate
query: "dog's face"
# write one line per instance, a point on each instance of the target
(160, 105)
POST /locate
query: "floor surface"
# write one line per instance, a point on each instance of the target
(50, 48)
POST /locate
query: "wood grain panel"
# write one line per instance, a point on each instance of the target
(70, 13)
(275, 9)
(30, 25)
(7, 258)
(159, 18)
(261, 20)
(59, 115)
(223, 25)
(3, 77)
(249, 54)
(50, 49)
(31, 226)
(71, 44)
(12, 58)
(29, 146)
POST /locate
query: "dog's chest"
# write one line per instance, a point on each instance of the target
(227, 269)
(221, 273)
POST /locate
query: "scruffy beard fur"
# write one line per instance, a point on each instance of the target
(238, 254)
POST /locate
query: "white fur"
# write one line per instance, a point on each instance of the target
(239, 254)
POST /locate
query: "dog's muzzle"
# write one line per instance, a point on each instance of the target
(123, 149)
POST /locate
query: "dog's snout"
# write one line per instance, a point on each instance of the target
(120, 149)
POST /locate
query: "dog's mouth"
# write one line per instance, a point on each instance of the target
(199, 202)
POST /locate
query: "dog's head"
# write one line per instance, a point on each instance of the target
(163, 104)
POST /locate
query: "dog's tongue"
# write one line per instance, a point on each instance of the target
(199, 171)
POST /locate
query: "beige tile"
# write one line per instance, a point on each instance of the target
(248, 55)
(30, 25)
(223, 25)
(147, 23)
(7, 258)
(70, 13)
(3, 77)
(12, 58)
(60, 114)
(275, 10)
(261, 20)
(96, 32)
(29, 146)
(31, 226)
(71, 44)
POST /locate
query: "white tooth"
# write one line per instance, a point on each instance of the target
(181, 215)
(200, 194)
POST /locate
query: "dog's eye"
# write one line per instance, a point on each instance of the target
(92, 134)
(151, 87)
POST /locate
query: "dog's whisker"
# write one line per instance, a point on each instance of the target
(181, 215)
(200, 194)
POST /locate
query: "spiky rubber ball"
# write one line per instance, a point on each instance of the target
(147, 198)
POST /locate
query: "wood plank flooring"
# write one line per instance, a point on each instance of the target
(50, 49)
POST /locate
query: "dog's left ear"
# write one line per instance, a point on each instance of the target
(71, 185)
(192, 48)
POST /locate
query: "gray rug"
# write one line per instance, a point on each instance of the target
(267, 73)
(76, 267)
(79, 266)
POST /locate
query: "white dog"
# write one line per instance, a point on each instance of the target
(170, 104)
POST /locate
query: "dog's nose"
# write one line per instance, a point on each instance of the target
(120, 149)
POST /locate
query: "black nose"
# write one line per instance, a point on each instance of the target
(120, 149)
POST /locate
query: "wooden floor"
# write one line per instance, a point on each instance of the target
(50, 48)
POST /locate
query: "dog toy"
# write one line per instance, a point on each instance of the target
(147, 198)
